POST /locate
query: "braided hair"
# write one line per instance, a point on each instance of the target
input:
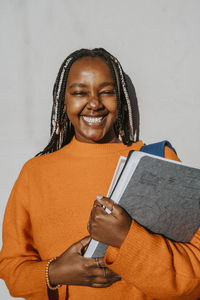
(127, 125)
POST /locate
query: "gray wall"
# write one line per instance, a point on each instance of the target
(157, 42)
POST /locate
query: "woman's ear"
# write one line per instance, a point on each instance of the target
(65, 108)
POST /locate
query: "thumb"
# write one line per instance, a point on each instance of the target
(80, 245)
(107, 202)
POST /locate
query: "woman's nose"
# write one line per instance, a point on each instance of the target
(94, 103)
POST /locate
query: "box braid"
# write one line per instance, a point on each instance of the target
(61, 129)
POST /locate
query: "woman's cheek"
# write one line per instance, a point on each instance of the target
(110, 103)
(74, 107)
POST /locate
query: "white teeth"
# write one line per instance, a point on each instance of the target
(92, 119)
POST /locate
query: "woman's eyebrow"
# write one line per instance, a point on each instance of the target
(103, 84)
(77, 85)
(106, 84)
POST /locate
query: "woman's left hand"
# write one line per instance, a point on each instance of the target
(112, 228)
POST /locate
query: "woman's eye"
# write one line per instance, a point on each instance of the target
(110, 92)
(79, 93)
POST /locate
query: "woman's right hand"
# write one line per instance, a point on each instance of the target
(72, 268)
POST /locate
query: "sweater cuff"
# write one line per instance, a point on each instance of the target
(33, 281)
(42, 271)
(37, 278)
(120, 260)
(114, 255)
(111, 255)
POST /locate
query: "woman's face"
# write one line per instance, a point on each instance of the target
(90, 100)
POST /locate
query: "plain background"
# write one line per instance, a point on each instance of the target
(157, 43)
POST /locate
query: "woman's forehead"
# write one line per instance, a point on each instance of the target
(87, 67)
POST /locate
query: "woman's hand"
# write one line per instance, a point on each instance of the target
(71, 268)
(112, 228)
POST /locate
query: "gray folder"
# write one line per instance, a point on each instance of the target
(164, 197)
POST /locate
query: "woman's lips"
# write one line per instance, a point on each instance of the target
(92, 121)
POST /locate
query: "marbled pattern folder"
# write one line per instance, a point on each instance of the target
(162, 196)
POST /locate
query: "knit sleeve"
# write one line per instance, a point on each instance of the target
(157, 266)
(20, 264)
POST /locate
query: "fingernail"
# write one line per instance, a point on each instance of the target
(99, 197)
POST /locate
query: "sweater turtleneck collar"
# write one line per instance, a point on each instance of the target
(84, 149)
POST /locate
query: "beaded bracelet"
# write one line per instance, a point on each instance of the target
(53, 288)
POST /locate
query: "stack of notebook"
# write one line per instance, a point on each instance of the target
(160, 194)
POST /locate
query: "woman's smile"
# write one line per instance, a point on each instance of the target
(93, 120)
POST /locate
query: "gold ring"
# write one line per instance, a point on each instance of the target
(112, 207)
(95, 205)
(97, 261)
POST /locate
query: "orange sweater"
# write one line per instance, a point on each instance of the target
(48, 210)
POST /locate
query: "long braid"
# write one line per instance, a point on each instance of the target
(124, 88)
(61, 129)
(134, 106)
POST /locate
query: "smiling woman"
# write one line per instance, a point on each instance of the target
(45, 232)
(90, 101)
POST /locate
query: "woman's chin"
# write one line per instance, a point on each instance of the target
(96, 138)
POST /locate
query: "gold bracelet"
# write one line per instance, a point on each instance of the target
(53, 288)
